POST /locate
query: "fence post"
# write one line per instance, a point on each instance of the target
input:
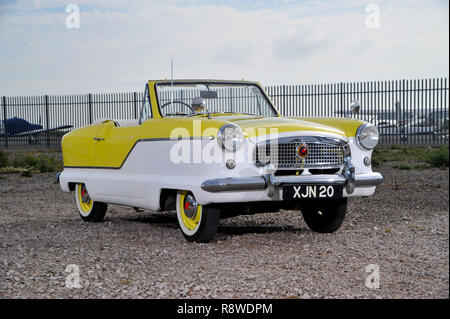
(341, 94)
(5, 136)
(90, 107)
(135, 105)
(47, 118)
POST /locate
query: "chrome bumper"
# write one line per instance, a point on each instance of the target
(271, 182)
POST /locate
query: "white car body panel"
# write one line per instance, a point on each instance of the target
(149, 169)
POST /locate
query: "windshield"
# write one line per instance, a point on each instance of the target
(190, 99)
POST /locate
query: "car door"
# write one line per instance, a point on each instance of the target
(114, 143)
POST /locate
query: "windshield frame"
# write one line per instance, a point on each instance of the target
(206, 83)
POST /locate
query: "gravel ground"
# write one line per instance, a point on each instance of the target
(403, 228)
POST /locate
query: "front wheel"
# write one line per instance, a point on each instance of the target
(198, 223)
(89, 210)
(325, 217)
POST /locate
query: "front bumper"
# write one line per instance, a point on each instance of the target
(270, 181)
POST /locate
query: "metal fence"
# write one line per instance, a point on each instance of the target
(405, 111)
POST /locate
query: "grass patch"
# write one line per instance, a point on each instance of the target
(395, 147)
(403, 167)
(27, 173)
(438, 158)
(375, 162)
(39, 162)
(3, 158)
(11, 170)
(421, 167)
(411, 157)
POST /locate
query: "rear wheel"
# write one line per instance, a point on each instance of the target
(325, 217)
(89, 210)
(197, 223)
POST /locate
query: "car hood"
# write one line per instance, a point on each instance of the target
(257, 125)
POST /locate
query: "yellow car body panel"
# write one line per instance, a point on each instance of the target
(116, 145)
(347, 126)
(112, 143)
(78, 146)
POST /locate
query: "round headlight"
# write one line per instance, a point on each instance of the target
(230, 137)
(367, 136)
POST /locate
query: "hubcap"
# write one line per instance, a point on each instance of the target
(84, 194)
(84, 201)
(189, 212)
(190, 206)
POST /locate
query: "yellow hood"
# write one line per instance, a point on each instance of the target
(256, 125)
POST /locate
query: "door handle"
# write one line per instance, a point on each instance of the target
(98, 139)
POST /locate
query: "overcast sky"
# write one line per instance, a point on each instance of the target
(121, 44)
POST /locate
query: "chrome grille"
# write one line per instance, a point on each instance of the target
(283, 153)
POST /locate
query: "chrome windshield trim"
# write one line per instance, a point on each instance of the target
(218, 82)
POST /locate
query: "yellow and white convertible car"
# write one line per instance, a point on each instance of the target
(212, 149)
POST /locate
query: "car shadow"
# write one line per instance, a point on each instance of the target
(167, 220)
(259, 229)
(170, 221)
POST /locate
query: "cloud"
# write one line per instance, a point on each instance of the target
(118, 47)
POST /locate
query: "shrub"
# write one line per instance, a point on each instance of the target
(24, 160)
(375, 162)
(47, 164)
(41, 162)
(26, 173)
(3, 158)
(438, 157)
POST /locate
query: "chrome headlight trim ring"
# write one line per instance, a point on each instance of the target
(221, 137)
(360, 132)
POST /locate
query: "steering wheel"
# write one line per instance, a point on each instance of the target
(180, 102)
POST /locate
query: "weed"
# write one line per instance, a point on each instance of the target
(10, 170)
(3, 158)
(27, 173)
(41, 162)
(438, 158)
(403, 167)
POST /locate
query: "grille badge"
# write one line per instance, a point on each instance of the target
(302, 151)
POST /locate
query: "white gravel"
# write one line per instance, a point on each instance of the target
(404, 229)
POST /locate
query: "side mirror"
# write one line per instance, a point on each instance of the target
(198, 104)
(354, 107)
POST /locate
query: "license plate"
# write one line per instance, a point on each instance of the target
(311, 191)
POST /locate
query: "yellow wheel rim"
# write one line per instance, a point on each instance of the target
(85, 205)
(190, 214)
